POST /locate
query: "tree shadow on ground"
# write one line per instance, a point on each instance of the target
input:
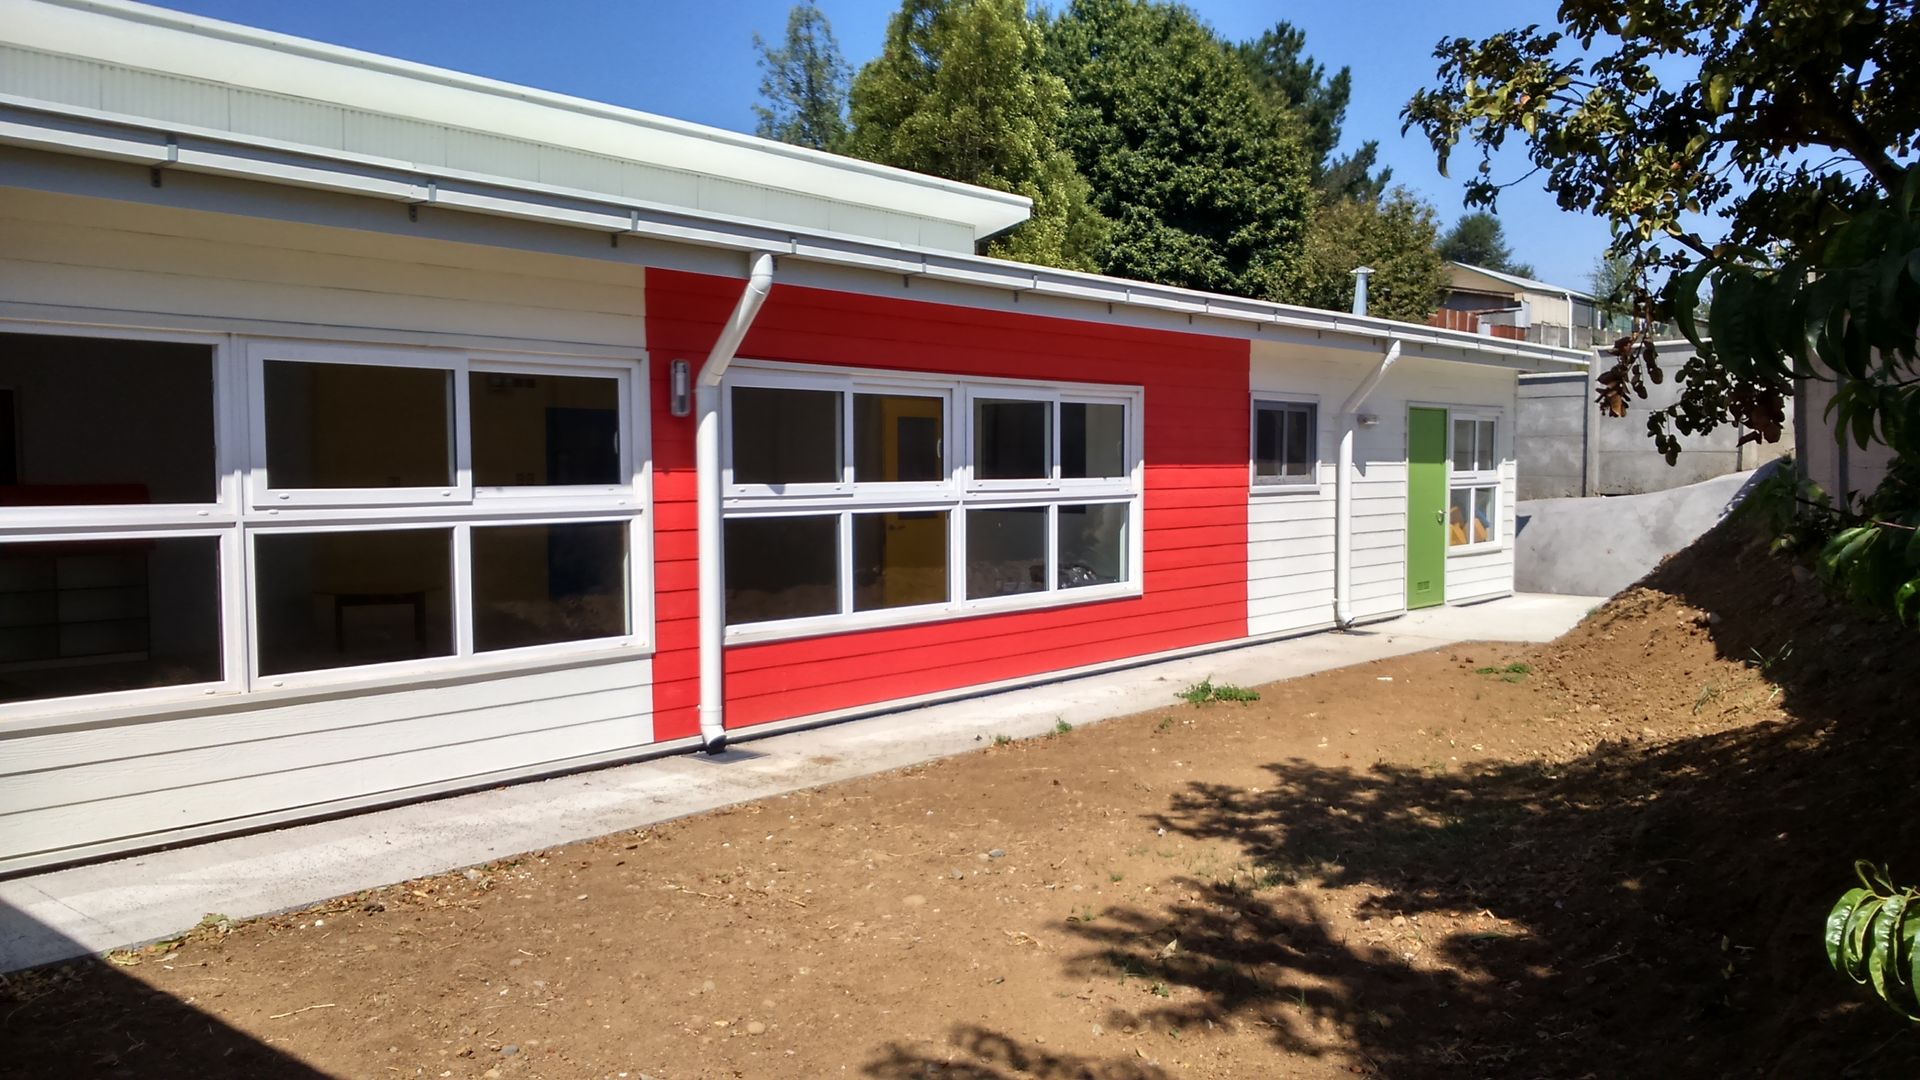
(1643, 909)
(981, 1054)
(90, 1019)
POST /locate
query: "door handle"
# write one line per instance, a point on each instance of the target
(1439, 517)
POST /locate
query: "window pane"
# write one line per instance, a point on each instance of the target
(358, 426)
(1463, 445)
(1093, 440)
(327, 600)
(1485, 524)
(1459, 513)
(1299, 456)
(897, 439)
(90, 421)
(785, 436)
(1006, 551)
(899, 559)
(1483, 446)
(539, 584)
(1269, 434)
(782, 567)
(1012, 440)
(1093, 545)
(531, 430)
(90, 617)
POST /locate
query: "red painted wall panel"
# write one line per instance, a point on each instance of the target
(1195, 528)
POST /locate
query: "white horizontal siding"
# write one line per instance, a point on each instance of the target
(1290, 549)
(73, 252)
(136, 782)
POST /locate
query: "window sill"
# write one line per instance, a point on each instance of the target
(1282, 490)
(1487, 548)
(859, 622)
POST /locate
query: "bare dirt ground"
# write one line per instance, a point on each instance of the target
(1604, 857)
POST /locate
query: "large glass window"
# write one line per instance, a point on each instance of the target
(93, 422)
(1284, 443)
(898, 438)
(545, 584)
(958, 495)
(94, 616)
(1093, 440)
(1012, 440)
(782, 567)
(1093, 544)
(358, 425)
(1473, 484)
(331, 599)
(534, 430)
(899, 559)
(784, 436)
(1006, 551)
(195, 514)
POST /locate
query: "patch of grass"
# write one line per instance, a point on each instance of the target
(1513, 672)
(1116, 877)
(1707, 693)
(1002, 740)
(1159, 989)
(1165, 724)
(1206, 690)
(1061, 727)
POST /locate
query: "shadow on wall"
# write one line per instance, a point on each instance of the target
(120, 1026)
(1658, 904)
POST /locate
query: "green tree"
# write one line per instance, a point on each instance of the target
(1208, 185)
(1288, 78)
(1611, 283)
(1395, 237)
(1478, 238)
(803, 83)
(1793, 122)
(960, 90)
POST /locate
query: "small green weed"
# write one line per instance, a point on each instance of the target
(1002, 740)
(1160, 990)
(1205, 690)
(1061, 727)
(1165, 724)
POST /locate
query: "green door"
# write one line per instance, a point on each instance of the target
(1426, 507)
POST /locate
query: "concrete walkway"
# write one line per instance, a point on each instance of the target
(93, 908)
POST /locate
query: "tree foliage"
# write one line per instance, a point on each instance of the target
(1873, 937)
(1792, 123)
(1396, 237)
(1208, 185)
(803, 83)
(1479, 239)
(1288, 78)
(961, 90)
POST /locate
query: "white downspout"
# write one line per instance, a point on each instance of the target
(706, 451)
(1343, 491)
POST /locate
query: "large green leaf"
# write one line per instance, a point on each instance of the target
(1881, 945)
(1837, 920)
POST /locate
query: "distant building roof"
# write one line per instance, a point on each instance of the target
(1523, 283)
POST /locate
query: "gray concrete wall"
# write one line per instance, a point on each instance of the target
(1598, 546)
(1617, 457)
(1550, 435)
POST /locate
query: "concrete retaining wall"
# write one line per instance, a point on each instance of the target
(1566, 448)
(1598, 546)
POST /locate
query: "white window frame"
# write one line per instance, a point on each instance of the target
(1281, 485)
(246, 508)
(954, 494)
(261, 495)
(1477, 478)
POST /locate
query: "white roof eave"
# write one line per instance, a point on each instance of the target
(189, 46)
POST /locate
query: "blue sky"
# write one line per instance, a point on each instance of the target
(695, 61)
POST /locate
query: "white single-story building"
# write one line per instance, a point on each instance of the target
(374, 431)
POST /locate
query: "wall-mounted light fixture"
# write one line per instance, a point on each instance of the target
(680, 388)
(1367, 419)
